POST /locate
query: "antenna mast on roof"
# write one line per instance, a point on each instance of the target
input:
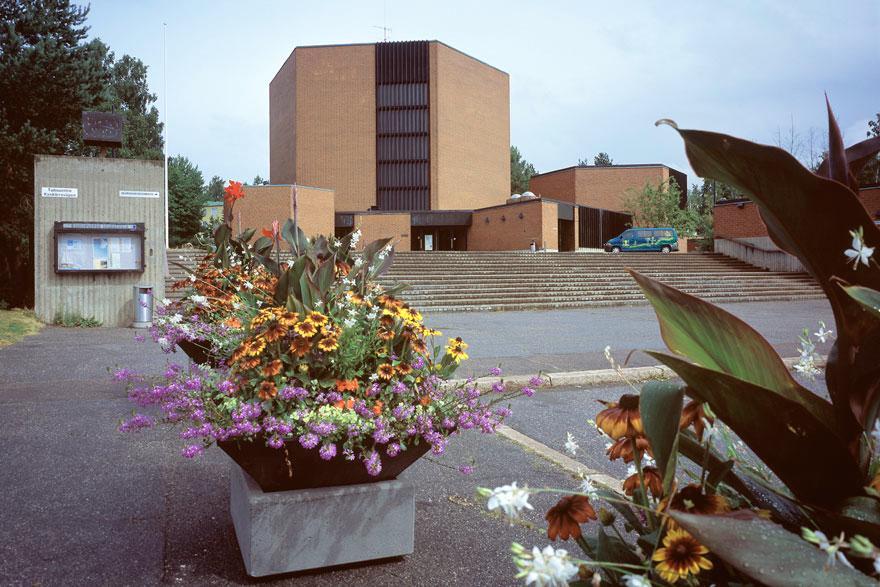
(386, 30)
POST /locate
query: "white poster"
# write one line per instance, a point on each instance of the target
(60, 192)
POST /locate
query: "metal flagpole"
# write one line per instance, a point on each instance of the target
(165, 121)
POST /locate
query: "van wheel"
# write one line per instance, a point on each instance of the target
(615, 249)
(665, 250)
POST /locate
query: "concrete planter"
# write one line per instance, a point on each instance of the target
(288, 531)
(199, 352)
(295, 467)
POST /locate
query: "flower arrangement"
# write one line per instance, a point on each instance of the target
(310, 352)
(696, 508)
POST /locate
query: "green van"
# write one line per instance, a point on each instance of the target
(663, 239)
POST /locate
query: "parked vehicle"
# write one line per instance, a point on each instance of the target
(664, 239)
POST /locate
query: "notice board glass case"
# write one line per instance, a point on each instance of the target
(99, 247)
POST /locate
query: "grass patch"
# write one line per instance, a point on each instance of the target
(75, 320)
(16, 324)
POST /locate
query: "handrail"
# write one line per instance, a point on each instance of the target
(749, 245)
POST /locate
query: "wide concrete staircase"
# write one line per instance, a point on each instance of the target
(473, 281)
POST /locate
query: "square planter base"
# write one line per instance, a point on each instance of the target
(287, 531)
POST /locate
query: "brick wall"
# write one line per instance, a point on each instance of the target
(550, 226)
(335, 127)
(263, 204)
(470, 133)
(282, 126)
(598, 187)
(376, 226)
(742, 219)
(505, 230)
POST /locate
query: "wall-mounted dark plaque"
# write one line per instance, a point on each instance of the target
(102, 129)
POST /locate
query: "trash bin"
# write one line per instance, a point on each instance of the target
(143, 306)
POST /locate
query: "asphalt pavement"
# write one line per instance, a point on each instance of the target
(82, 504)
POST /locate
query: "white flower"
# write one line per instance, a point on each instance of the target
(166, 302)
(355, 237)
(192, 277)
(831, 547)
(200, 300)
(248, 285)
(163, 343)
(544, 568)
(349, 322)
(877, 564)
(806, 366)
(374, 377)
(608, 356)
(510, 499)
(858, 252)
(635, 581)
(823, 334)
(571, 445)
(587, 488)
(175, 319)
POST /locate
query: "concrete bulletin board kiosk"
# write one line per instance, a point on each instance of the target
(99, 226)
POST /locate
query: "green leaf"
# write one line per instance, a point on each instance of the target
(325, 276)
(613, 499)
(614, 550)
(660, 404)
(767, 552)
(803, 451)
(718, 340)
(810, 217)
(867, 297)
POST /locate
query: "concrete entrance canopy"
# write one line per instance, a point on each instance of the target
(99, 230)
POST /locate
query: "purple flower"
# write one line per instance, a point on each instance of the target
(275, 441)
(323, 428)
(373, 463)
(139, 338)
(528, 391)
(536, 381)
(327, 451)
(399, 387)
(466, 469)
(136, 422)
(124, 375)
(418, 363)
(495, 371)
(289, 393)
(309, 440)
(226, 387)
(193, 450)
(392, 450)
(498, 387)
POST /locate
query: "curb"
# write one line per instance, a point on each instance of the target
(599, 377)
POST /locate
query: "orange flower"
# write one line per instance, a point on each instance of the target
(386, 321)
(622, 448)
(344, 404)
(621, 418)
(249, 363)
(272, 369)
(317, 318)
(328, 344)
(565, 518)
(680, 557)
(385, 334)
(233, 191)
(300, 346)
(404, 369)
(653, 482)
(425, 400)
(233, 322)
(274, 332)
(385, 371)
(419, 346)
(288, 319)
(306, 328)
(693, 414)
(692, 500)
(267, 390)
(377, 408)
(342, 268)
(347, 385)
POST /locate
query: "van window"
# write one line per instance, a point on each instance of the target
(664, 233)
(643, 234)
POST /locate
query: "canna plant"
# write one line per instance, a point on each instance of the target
(736, 521)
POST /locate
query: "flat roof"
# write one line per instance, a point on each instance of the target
(329, 45)
(615, 166)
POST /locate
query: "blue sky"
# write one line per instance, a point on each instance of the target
(584, 76)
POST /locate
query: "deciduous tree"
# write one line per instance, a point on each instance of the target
(186, 191)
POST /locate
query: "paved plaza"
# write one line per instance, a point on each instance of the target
(81, 504)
